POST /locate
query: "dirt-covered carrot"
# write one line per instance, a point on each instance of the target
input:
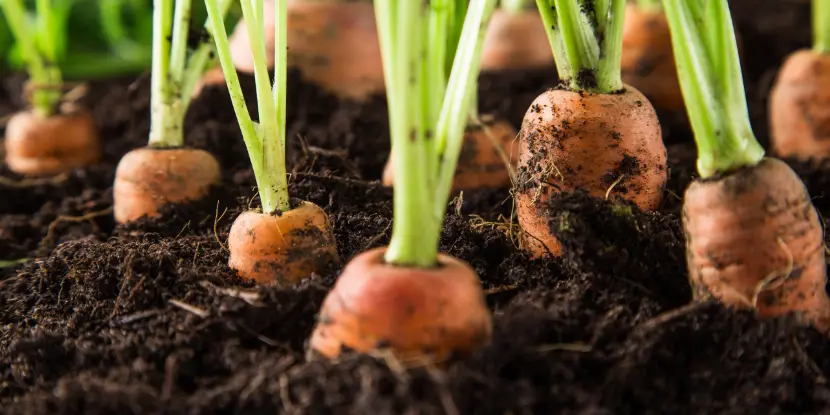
(647, 57)
(594, 133)
(753, 238)
(284, 242)
(333, 43)
(489, 149)
(799, 103)
(516, 38)
(165, 171)
(406, 297)
(50, 137)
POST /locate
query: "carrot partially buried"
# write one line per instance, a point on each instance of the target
(333, 43)
(596, 134)
(799, 103)
(753, 237)
(166, 171)
(282, 244)
(406, 299)
(516, 38)
(48, 138)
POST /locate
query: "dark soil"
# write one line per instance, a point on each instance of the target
(148, 318)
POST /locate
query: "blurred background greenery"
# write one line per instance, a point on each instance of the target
(98, 38)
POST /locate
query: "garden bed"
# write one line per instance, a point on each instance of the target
(147, 318)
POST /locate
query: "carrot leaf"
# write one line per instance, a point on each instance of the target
(265, 141)
(821, 26)
(709, 70)
(586, 39)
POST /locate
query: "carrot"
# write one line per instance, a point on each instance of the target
(49, 137)
(515, 39)
(38, 145)
(420, 305)
(486, 157)
(647, 57)
(798, 103)
(281, 244)
(334, 44)
(598, 135)
(430, 311)
(165, 171)
(753, 238)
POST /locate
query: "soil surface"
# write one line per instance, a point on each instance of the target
(148, 318)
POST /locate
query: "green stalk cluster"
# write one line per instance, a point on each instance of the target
(40, 44)
(586, 39)
(428, 113)
(265, 140)
(174, 73)
(821, 26)
(709, 70)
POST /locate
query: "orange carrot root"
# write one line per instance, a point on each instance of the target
(608, 145)
(754, 240)
(483, 162)
(516, 41)
(648, 57)
(148, 178)
(799, 107)
(419, 314)
(282, 249)
(38, 146)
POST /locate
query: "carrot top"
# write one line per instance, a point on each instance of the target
(709, 71)
(428, 112)
(648, 4)
(174, 74)
(265, 140)
(586, 39)
(821, 26)
(515, 6)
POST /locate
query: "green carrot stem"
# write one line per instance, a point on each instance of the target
(44, 74)
(821, 26)
(586, 39)
(710, 77)
(516, 6)
(265, 141)
(164, 130)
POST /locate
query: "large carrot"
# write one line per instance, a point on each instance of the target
(596, 134)
(516, 38)
(753, 238)
(49, 137)
(333, 43)
(647, 57)
(284, 242)
(407, 298)
(165, 171)
(799, 103)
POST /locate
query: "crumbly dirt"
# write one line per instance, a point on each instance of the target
(148, 318)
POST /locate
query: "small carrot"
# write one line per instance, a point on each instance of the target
(48, 138)
(599, 135)
(165, 171)
(516, 38)
(282, 244)
(753, 237)
(647, 57)
(406, 298)
(799, 103)
(333, 43)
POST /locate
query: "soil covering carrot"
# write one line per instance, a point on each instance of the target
(516, 38)
(799, 103)
(407, 298)
(166, 171)
(647, 56)
(284, 242)
(50, 137)
(594, 133)
(333, 43)
(753, 238)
